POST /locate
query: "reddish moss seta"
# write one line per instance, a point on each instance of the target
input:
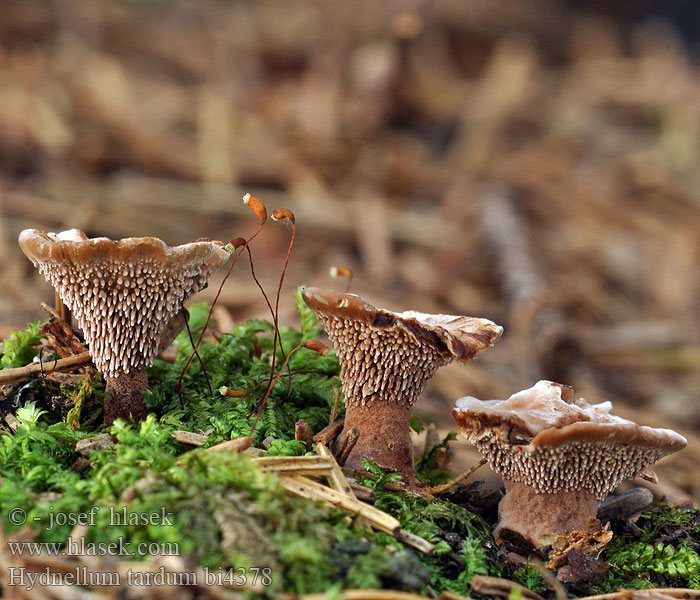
(386, 359)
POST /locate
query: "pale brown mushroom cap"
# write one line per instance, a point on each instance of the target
(391, 355)
(121, 292)
(542, 438)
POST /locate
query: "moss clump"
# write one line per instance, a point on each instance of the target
(659, 550)
(20, 347)
(463, 543)
(241, 361)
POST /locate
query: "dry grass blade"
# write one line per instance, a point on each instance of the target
(336, 478)
(306, 488)
(415, 541)
(318, 465)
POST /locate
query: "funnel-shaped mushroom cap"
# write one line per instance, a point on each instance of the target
(121, 292)
(393, 354)
(542, 438)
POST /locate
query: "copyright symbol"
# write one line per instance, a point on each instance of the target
(17, 516)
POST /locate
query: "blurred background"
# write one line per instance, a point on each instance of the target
(534, 162)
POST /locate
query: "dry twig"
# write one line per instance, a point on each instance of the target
(496, 586)
(438, 489)
(330, 432)
(33, 369)
(239, 445)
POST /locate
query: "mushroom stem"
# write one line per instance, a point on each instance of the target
(384, 437)
(125, 395)
(534, 516)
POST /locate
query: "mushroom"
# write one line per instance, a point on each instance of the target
(122, 294)
(386, 358)
(558, 457)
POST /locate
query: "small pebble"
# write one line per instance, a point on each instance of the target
(87, 446)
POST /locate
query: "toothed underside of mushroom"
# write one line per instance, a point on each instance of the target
(596, 467)
(120, 307)
(381, 363)
(543, 438)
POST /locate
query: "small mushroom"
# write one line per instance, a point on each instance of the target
(122, 294)
(558, 457)
(386, 359)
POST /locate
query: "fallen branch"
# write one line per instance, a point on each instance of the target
(304, 487)
(330, 432)
(303, 433)
(496, 586)
(239, 445)
(12, 422)
(33, 369)
(346, 445)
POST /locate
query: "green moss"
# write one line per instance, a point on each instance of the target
(221, 511)
(527, 576)
(427, 467)
(234, 363)
(463, 542)
(661, 551)
(20, 347)
(286, 448)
